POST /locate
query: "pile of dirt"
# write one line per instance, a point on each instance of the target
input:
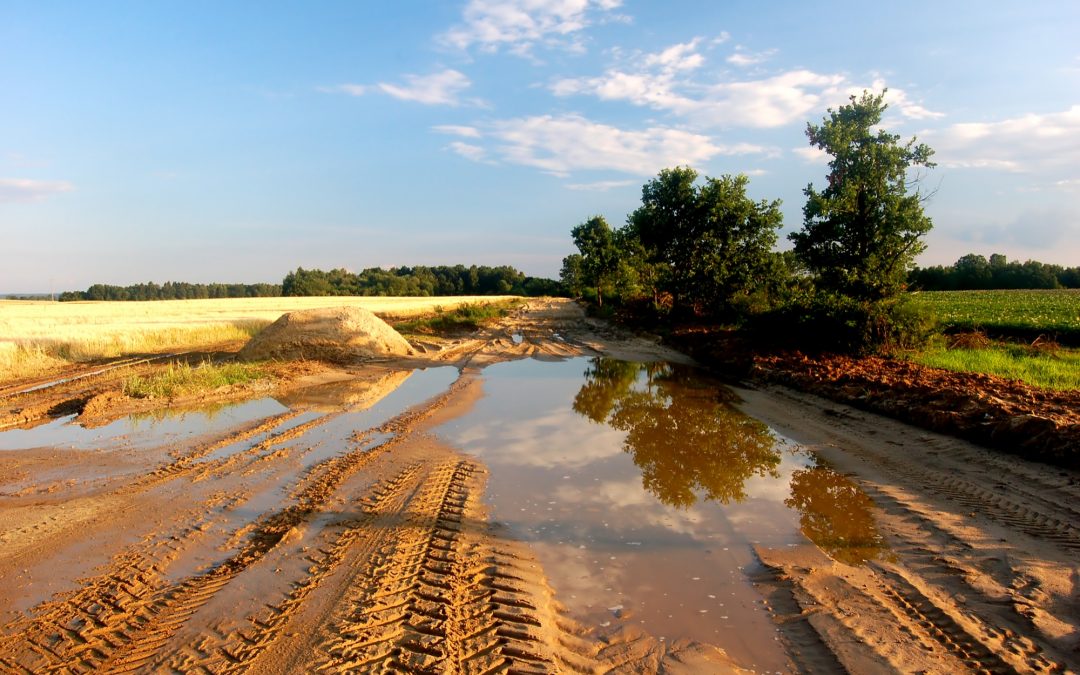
(334, 334)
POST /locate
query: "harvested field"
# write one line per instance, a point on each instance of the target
(512, 502)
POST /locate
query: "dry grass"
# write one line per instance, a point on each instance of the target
(40, 337)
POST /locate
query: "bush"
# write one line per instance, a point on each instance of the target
(825, 322)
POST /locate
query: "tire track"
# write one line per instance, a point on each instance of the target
(442, 597)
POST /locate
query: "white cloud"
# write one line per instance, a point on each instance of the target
(1030, 143)
(677, 57)
(668, 81)
(350, 89)
(469, 151)
(519, 25)
(440, 88)
(601, 185)
(27, 190)
(743, 58)
(660, 81)
(457, 130)
(812, 154)
(1069, 185)
(560, 145)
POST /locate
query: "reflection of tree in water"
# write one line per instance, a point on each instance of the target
(836, 515)
(680, 434)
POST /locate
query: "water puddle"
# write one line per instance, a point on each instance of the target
(358, 405)
(140, 430)
(643, 493)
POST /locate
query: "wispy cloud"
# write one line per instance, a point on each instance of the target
(27, 190)
(520, 25)
(457, 130)
(811, 154)
(601, 185)
(441, 88)
(350, 89)
(1029, 143)
(561, 145)
(743, 58)
(469, 151)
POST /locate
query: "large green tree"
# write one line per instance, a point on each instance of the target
(862, 232)
(711, 243)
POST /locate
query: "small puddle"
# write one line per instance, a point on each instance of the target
(167, 425)
(643, 493)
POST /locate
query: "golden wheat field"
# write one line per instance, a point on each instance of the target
(39, 336)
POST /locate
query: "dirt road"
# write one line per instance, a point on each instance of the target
(352, 538)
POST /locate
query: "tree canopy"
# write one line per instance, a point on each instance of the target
(710, 243)
(862, 232)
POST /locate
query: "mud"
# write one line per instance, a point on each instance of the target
(370, 521)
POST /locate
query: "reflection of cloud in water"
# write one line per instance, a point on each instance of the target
(630, 506)
(555, 438)
(582, 578)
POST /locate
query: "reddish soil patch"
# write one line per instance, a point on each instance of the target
(993, 411)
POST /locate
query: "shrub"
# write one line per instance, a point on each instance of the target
(826, 322)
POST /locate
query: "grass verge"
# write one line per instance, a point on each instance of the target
(181, 378)
(1047, 368)
(467, 317)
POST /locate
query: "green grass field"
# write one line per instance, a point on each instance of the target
(1041, 311)
(1040, 316)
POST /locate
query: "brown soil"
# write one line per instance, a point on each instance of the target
(273, 548)
(993, 411)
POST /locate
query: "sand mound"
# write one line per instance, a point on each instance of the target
(337, 334)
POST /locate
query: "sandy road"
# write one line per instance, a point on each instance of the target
(309, 542)
(982, 565)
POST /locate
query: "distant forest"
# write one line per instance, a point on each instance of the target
(399, 281)
(975, 272)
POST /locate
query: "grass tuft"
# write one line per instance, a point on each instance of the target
(181, 378)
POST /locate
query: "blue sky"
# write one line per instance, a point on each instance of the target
(205, 141)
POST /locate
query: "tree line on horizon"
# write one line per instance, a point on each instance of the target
(974, 272)
(420, 281)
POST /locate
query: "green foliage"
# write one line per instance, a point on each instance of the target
(974, 272)
(1006, 312)
(182, 378)
(418, 281)
(172, 290)
(861, 234)
(709, 245)
(599, 261)
(1046, 368)
(467, 317)
(830, 322)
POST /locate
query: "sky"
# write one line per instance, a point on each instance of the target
(207, 141)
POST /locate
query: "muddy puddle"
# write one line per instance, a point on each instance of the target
(168, 425)
(643, 493)
(640, 489)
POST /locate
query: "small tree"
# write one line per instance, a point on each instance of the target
(710, 243)
(861, 234)
(599, 255)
